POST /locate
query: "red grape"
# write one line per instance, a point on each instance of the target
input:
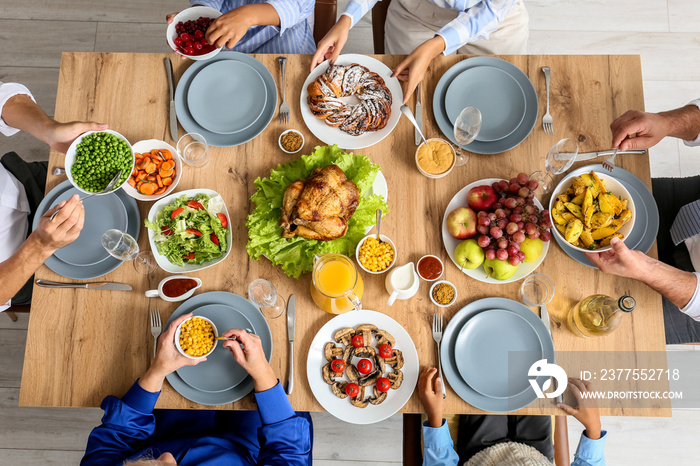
(534, 235)
(518, 209)
(514, 188)
(531, 195)
(519, 236)
(521, 225)
(495, 186)
(483, 241)
(502, 223)
(545, 236)
(523, 192)
(511, 228)
(500, 213)
(497, 205)
(530, 228)
(515, 217)
(482, 229)
(484, 221)
(502, 243)
(482, 213)
(490, 254)
(509, 203)
(514, 180)
(522, 178)
(533, 185)
(496, 232)
(501, 254)
(529, 209)
(492, 216)
(521, 256)
(513, 249)
(503, 185)
(513, 260)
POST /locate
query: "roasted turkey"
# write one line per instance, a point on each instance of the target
(320, 206)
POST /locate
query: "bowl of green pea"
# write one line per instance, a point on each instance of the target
(95, 158)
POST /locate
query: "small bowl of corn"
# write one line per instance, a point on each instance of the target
(195, 338)
(375, 257)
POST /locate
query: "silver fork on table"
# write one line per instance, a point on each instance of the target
(609, 163)
(284, 108)
(437, 336)
(156, 327)
(547, 122)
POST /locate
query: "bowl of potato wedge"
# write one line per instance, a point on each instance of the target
(589, 210)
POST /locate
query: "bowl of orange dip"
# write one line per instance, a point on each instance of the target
(436, 159)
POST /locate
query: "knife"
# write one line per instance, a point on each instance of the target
(419, 116)
(290, 334)
(171, 86)
(90, 286)
(593, 155)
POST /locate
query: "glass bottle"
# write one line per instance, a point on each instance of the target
(598, 315)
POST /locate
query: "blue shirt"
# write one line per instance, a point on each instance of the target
(439, 449)
(274, 435)
(293, 35)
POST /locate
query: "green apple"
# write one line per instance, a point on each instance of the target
(469, 254)
(532, 249)
(500, 270)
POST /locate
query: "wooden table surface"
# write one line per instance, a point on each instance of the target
(84, 345)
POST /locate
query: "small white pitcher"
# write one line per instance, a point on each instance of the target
(402, 283)
(159, 292)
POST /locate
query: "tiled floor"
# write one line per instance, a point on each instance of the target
(666, 33)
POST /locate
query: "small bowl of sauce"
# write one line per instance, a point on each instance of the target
(436, 159)
(430, 268)
(175, 288)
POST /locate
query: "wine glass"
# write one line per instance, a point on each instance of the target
(264, 296)
(466, 129)
(124, 247)
(193, 149)
(559, 159)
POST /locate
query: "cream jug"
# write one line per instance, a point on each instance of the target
(402, 283)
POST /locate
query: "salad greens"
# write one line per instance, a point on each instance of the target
(187, 231)
(296, 255)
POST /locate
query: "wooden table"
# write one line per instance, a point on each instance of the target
(84, 345)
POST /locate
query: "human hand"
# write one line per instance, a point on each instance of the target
(248, 352)
(587, 409)
(430, 394)
(333, 42)
(620, 260)
(638, 130)
(169, 18)
(168, 359)
(413, 68)
(63, 229)
(61, 135)
(229, 28)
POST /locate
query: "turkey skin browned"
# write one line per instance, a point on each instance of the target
(320, 206)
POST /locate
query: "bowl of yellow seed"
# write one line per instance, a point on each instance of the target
(375, 256)
(195, 338)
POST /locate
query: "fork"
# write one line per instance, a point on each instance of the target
(437, 336)
(547, 122)
(156, 327)
(284, 108)
(609, 163)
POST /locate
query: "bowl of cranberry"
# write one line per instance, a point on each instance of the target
(186, 33)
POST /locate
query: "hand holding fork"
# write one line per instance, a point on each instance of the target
(437, 336)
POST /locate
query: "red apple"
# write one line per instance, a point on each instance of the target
(481, 197)
(461, 223)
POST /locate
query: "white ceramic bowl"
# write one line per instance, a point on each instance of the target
(433, 299)
(442, 264)
(147, 146)
(386, 240)
(614, 187)
(71, 153)
(279, 141)
(163, 261)
(191, 14)
(177, 338)
(454, 159)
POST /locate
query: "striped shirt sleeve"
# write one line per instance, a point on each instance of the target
(696, 141)
(475, 22)
(292, 12)
(215, 4)
(356, 9)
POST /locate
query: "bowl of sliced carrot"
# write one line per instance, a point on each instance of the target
(157, 170)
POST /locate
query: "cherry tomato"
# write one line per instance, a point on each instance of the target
(214, 239)
(338, 365)
(383, 384)
(223, 220)
(193, 231)
(195, 205)
(177, 212)
(364, 366)
(385, 351)
(352, 390)
(166, 231)
(189, 256)
(358, 341)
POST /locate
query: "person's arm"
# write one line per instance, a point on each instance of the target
(590, 451)
(642, 130)
(438, 446)
(676, 285)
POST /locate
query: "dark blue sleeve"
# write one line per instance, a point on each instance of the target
(124, 424)
(285, 438)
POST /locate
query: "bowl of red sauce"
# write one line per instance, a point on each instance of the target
(430, 268)
(175, 288)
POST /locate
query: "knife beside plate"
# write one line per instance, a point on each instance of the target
(89, 286)
(419, 116)
(290, 334)
(171, 87)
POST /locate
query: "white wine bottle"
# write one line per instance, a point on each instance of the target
(598, 315)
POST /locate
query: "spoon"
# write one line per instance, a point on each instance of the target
(379, 224)
(409, 114)
(109, 187)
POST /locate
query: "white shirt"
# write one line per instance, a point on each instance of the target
(14, 207)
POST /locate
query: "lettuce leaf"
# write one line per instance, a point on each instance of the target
(295, 255)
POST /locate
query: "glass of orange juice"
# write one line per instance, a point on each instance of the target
(336, 287)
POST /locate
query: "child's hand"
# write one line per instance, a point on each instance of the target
(587, 409)
(430, 394)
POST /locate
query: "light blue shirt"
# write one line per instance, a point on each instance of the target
(439, 449)
(293, 35)
(476, 21)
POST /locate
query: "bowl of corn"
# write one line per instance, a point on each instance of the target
(195, 338)
(374, 256)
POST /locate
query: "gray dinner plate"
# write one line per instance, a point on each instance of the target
(103, 267)
(102, 213)
(496, 94)
(220, 371)
(646, 222)
(225, 140)
(449, 363)
(227, 97)
(482, 348)
(260, 328)
(495, 147)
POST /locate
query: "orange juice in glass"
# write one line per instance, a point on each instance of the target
(336, 287)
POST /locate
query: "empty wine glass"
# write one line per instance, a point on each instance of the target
(124, 247)
(559, 159)
(466, 129)
(264, 296)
